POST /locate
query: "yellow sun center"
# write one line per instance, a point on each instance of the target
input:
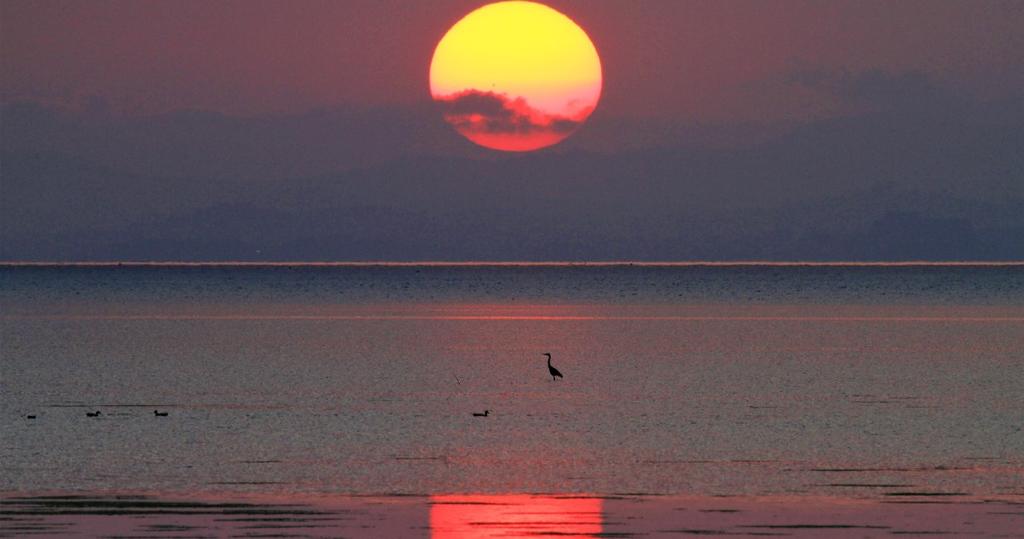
(516, 76)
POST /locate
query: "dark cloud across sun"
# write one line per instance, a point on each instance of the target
(474, 111)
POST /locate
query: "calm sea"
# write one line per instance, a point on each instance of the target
(690, 379)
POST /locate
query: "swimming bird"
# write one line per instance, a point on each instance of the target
(554, 372)
(30, 417)
(159, 414)
(93, 414)
(485, 414)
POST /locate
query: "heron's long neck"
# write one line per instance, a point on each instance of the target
(549, 361)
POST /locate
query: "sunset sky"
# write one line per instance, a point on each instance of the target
(726, 129)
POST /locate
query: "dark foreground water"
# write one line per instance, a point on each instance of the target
(857, 383)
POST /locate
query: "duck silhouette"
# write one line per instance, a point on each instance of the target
(93, 414)
(485, 414)
(159, 414)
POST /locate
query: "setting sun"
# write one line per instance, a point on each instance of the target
(516, 76)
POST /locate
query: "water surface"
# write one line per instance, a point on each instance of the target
(864, 382)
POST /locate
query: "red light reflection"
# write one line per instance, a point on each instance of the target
(516, 515)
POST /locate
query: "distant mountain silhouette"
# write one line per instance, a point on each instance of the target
(879, 186)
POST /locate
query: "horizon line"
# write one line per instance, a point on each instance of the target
(522, 263)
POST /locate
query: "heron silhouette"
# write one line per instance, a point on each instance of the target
(159, 414)
(485, 414)
(554, 372)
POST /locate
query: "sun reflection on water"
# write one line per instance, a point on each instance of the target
(514, 515)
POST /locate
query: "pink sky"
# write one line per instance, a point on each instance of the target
(698, 60)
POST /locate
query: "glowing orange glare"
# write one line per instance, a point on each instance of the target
(516, 76)
(513, 515)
